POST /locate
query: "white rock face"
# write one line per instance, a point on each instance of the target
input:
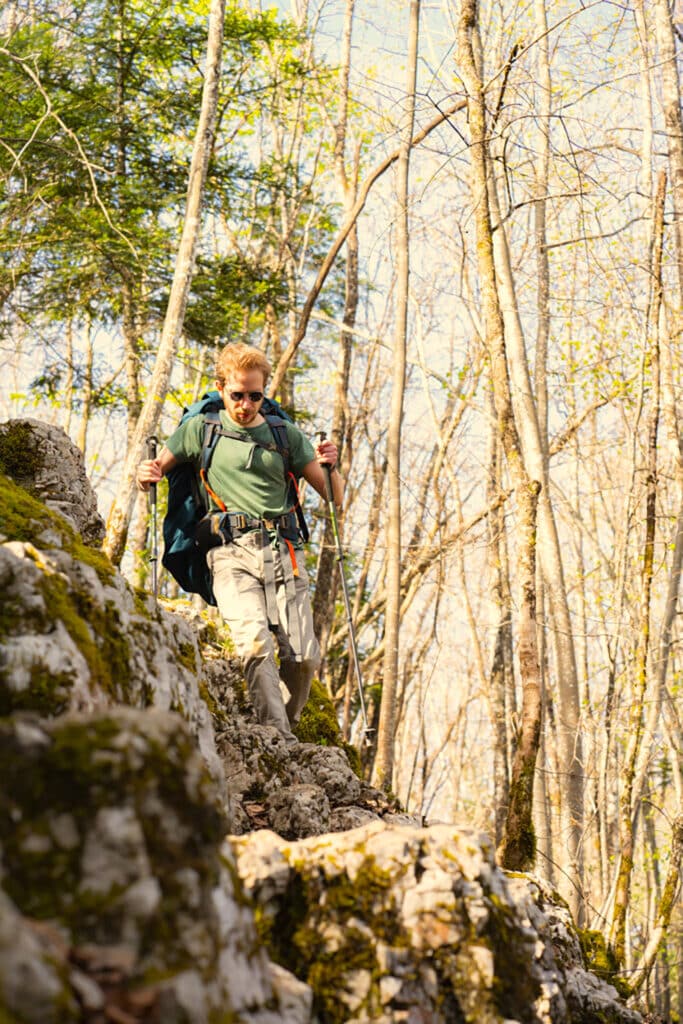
(396, 923)
(44, 457)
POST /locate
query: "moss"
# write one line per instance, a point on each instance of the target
(23, 518)
(601, 960)
(140, 602)
(218, 713)
(517, 851)
(326, 975)
(293, 934)
(369, 897)
(319, 725)
(97, 633)
(47, 694)
(187, 656)
(20, 456)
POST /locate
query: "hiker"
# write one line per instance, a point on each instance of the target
(252, 550)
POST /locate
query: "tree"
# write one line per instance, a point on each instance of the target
(517, 850)
(119, 516)
(383, 766)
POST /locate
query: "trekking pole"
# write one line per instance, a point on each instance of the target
(152, 454)
(327, 469)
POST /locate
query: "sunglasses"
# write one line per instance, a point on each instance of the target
(253, 396)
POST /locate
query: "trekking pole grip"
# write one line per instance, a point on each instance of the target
(154, 558)
(152, 454)
(327, 470)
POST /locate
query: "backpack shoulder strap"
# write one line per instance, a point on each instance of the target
(212, 431)
(278, 429)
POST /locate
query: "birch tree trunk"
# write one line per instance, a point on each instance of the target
(120, 514)
(630, 784)
(534, 446)
(517, 850)
(384, 760)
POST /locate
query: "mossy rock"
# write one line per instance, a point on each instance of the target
(319, 725)
(25, 518)
(363, 910)
(601, 961)
(69, 769)
(95, 630)
(21, 457)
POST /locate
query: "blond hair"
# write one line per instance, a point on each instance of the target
(238, 356)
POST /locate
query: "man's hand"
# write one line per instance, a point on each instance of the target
(326, 453)
(149, 472)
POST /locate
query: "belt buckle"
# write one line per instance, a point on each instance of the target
(270, 524)
(240, 521)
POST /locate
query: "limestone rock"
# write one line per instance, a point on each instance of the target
(140, 889)
(75, 637)
(394, 923)
(43, 459)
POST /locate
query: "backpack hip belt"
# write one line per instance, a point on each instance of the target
(218, 528)
(241, 523)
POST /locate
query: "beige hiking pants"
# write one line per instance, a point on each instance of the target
(247, 604)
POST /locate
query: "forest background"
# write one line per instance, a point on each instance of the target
(457, 231)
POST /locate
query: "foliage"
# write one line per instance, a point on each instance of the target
(99, 110)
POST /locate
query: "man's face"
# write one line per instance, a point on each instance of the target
(245, 410)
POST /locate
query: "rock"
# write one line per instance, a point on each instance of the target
(42, 459)
(32, 987)
(397, 923)
(75, 637)
(300, 810)
(146, 889)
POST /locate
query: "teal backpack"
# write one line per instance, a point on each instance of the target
(187, 499)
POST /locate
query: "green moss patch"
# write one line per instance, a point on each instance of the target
(23, 517)
(96, 632)
(319, 725)
(363, 910)
(20, 456)
(601, 960)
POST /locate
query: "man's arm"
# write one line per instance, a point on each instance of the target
(313, 472)
(151, 471)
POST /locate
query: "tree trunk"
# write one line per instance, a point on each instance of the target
(119, 516)
(517, 850)
(384, 761)
(327, 576)
(534, 446)
(630, 784)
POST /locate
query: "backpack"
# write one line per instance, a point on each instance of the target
(187, 500)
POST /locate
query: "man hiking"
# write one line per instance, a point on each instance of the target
(250, 536)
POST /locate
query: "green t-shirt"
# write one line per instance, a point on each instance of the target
(260, 490)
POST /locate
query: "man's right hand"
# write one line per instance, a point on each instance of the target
(149, 472)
